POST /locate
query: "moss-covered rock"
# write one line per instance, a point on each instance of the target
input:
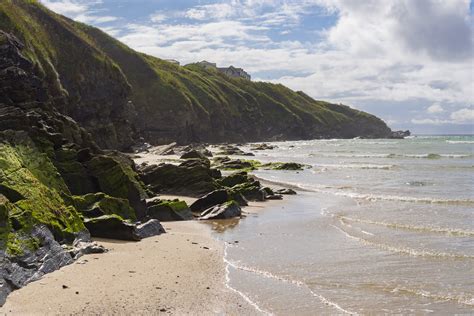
(234, 179)
(250, 190)
(118, 179)
(31, 174)
(99, 204)
(169, 210)
(111, 226)
(192, 177)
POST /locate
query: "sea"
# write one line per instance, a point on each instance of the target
(378, 227)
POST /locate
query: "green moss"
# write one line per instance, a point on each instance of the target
(30, 173)
(104, 204)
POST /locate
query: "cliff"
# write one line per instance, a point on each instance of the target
(120, 95)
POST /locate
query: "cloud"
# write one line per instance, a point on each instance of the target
(463, 116)
(459, 117)
(435, 108)
(79, 10)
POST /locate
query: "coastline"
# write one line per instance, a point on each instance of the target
(180, 272)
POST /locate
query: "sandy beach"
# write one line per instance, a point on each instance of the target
(181, 272)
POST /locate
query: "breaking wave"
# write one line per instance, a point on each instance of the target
(417, 228)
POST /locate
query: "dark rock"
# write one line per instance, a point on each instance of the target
(111, 226)
(234, 179)
(149, 229)
(223, 211)
(193, 177)
(262, 147)
(211, 199)
(274, 197)
(285, 191)
(16, 272)
(288, 166)
(250, 190)
(399, 134)
(193, 154)
(166, 210)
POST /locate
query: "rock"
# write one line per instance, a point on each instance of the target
(274, 197)
(287, 166)
(99, 204)
(227, 163)
(250, 190)
(211, 199)
(223, 211)
(149, 229)
(399, 134)
(112, 227)
(31, 265)
(262, 147)
(193, 177)
(232, 150)
(234, 179)
(193, 154)
(167, 210)
(285, 191)
(81, 248)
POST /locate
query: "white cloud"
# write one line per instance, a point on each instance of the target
(158, 17)
(463, 116)
(435, 108)
(79, 10)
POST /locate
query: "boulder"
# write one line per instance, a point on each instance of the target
(287, 166)
(211, 199)
(234, 179)
(193, 177)
(98, 204)
(274, 197)
(226, 210)
(112, 227)
(262, 147)
(149, 229)
(285, 191)
(193, 154)
(167, 210)
(250, 190)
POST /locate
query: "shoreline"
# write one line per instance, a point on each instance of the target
(180, 272)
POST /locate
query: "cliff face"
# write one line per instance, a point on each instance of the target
(119, 95)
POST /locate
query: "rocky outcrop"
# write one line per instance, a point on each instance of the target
(193, 177)
(167, 210)
(223, 211)
(52, 176)
(399, 134)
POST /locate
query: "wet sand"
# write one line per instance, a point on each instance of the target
(181, 272)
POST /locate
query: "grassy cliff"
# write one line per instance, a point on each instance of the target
(100, 75)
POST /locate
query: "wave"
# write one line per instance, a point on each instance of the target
(428, 229)
(460, 142)
(404, 250)
(341, 191)
(298, 283)
(432, 156)
(356, 166)
(244, 296)
(461, 299)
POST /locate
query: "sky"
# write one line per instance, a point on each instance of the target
(410, 62)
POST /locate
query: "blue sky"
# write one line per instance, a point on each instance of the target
(408, 61)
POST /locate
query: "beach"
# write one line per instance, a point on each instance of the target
(180, 272)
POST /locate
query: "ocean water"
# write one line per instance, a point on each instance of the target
(378, 227)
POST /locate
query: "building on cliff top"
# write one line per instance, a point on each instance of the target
(230, 71)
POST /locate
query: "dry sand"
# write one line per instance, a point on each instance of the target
(173, 273)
